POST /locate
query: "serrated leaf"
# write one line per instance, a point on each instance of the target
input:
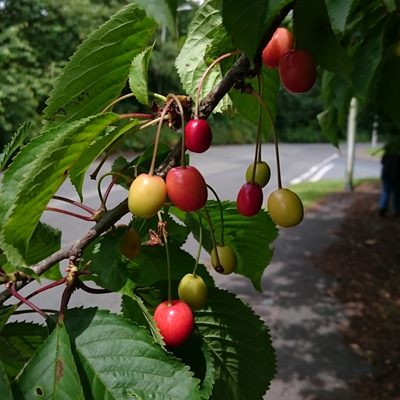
(196, 353)
(5, 314)
(248, 106)
(5, 389)
(51, 373)
(139, 309)
(249, 237)
(98, 71)
(313, 32)
(366, 60)
(240, 344)
(45, 241)
(163, 11)
(119, 360)
(104, 140)
(138, 76)
(191, 63)
(18, 343)
(110, 269)
(339, 11)
(246, 23)
(16, 142)
(36, 174)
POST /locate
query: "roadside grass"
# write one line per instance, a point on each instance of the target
(310, 192)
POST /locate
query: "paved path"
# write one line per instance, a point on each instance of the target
(313, 362)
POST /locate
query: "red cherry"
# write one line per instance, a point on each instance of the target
(174, 321)
(280, 43)
(186, 188)
(297, 71)
(198, 135)
(249, 199)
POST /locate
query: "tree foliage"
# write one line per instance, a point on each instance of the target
(93, 354)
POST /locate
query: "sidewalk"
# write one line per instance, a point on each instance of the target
(313, 362)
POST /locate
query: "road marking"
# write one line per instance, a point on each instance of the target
(321, 173)
(314, 170)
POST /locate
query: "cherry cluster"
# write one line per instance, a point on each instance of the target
(297, 69)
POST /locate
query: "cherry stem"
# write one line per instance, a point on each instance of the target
(93, 175)
(257, 155)
(44, 288)
(212, 235)
(27, 302)
(157, 139)
(168, 262)
(179, 104)
(158, 96)
(72, 214)
(117, 101)
(88, 289)
(196, 105)
(278, 164)
(200, 244)
(112, 183)
(67, 293)
(221, 214)
(75, 203)
(103, 204)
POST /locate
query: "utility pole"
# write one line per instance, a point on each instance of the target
(351, 138)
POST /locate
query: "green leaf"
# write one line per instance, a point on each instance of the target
(138, 75)
(246, 23)
(191, 63)
(16, 142)
(119, 360)
(163, 11)
(18, 343)
(328, 123)
(366, 60)
(339, 11)
(45, 241)
(313, 32)
(36, 174)
(104, 140)
(196, 353)
(388, 90)
(110, 269)
(5, 314)
(249, 237)
(248, 105)
(98, 71)
(240, 344)
(51, 373)
(5, 389)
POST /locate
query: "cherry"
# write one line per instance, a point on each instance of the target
(249, 199)
(263, 173)
(285, 208)
(198, 135)
(175, 322)
(227, 259)
(186, 188)
(147, 195)
(193, 291)
(297, 71)
(280, 43)
(130, 244)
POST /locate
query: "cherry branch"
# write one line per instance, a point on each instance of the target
(233, 78)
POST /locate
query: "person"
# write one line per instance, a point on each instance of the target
(390, 178)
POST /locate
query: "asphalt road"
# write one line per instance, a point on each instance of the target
(223, 168)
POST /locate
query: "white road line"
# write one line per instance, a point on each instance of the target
(313, 170)
(321, 173)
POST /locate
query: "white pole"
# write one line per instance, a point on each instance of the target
(374, 141)
(351, 138)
